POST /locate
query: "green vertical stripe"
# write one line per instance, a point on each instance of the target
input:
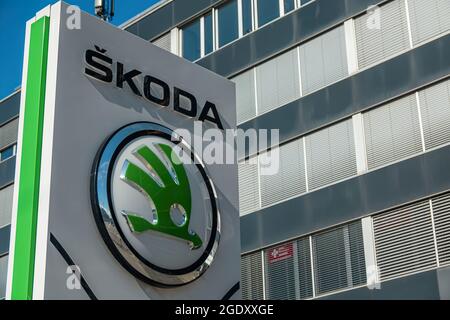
(30, 162)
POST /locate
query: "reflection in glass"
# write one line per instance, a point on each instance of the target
(247, 16)
(303, 2)
(268, 10)
(208, 33)
(3, 271)
(289, 5)
(7, 153)
(191, 41)
(228, 22)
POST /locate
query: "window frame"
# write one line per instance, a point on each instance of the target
(201, 19)
(203, 33)
(181, 37)
(14, 152)
(239, 20)
(215, 18)
(280, 14)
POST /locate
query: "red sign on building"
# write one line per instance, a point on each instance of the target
(279, 253)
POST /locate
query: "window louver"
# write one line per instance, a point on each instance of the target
(6, 199)
(280, 272)
(435, 110)
(8, 133)
(404, 240)
(252, 277)
(245, 96)
(392, 132)
(278, 81)
(290, 179)
(330, 154)
(248, 188)
(339, 258)
(428, 18)
(304, 268)
(323, 60)
(441, 212)
(3, 272)
(375, 45)
(288, 271)
(163, 42)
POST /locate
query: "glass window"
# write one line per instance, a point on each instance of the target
(268, 10)
(208, 33)
(392, 132)
(428, 19)
(277, 81)
(289, 180)
(435, 110)
(303, 2)
(252, 277)
(247, 16)
(164, 42)
(6, 199)
(324, 60)
(191, 41)
(7, 153)
(338, 257)
(248, 186)
(228, 23)
(3, 271)
(8, 133)
(330, 154)
(245, 96)
(289, 5)
(288, 271)
(386, 40)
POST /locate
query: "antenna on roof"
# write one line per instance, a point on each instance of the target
(104, 9)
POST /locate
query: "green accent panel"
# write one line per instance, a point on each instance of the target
(30, 162)
(175, 191)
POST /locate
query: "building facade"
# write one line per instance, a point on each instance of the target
(360, 93)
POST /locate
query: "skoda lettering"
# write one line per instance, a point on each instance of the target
(101, 67)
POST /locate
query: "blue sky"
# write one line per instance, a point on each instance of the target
(15, 13)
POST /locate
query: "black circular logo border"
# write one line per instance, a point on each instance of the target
(101, 225)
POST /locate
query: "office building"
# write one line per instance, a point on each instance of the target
(360, 93)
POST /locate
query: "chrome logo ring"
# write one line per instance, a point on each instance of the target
(113, 224)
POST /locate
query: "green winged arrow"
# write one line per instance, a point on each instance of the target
(168, 189)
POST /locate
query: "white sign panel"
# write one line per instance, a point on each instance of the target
(122, 212)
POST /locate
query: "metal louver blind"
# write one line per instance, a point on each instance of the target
(376, 44)
(3, 272)
(404, 240)
(441, 213)
(323, 60)
(8, 133)
(289, 181)
(339, 261)
(278, 81)
(280, 272)
(435, 110)
(252, 277)
(6, 199)
(428, 18)
(248, 187)
(245, 96)
(163, 42)
(330, 154)
(288, 271)
(392, 132)
(304, 268)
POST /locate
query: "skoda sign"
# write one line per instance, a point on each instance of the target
(122, 201)
(157, 213)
